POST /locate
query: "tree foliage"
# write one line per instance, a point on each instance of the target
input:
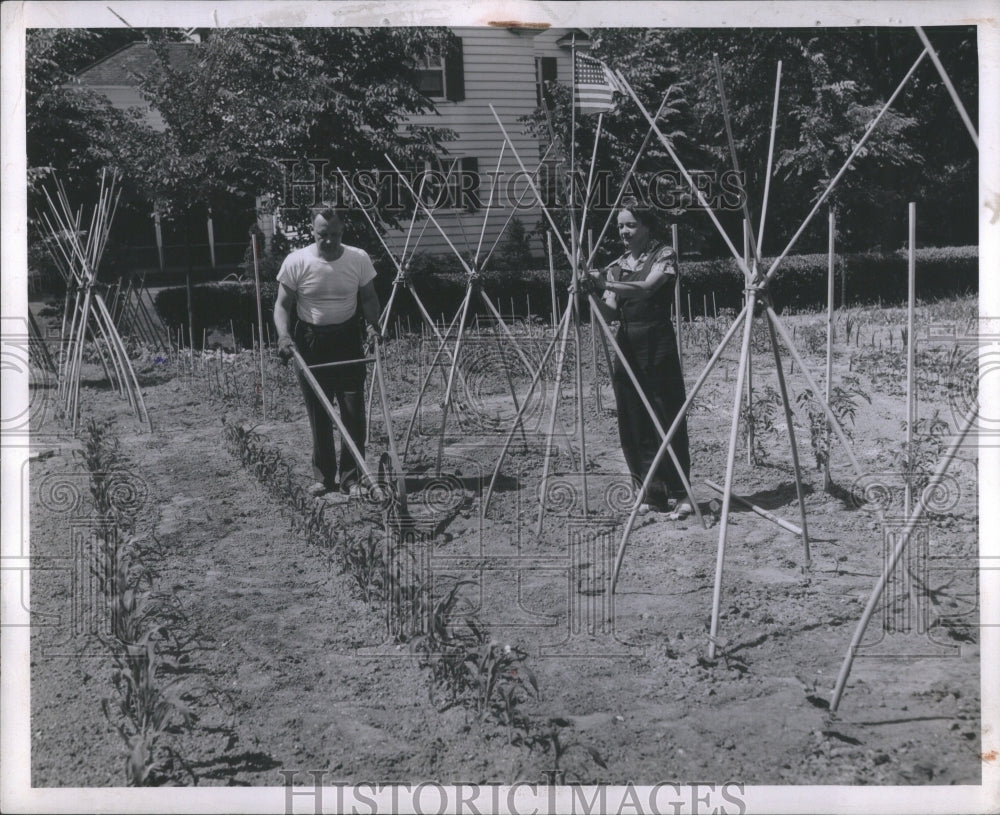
(253, 99)
(833, 84)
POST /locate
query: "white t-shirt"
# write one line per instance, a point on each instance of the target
(326, 291)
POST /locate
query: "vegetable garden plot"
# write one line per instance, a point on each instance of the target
(638, 691)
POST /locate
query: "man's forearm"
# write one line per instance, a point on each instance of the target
(372, 311)
(281, 322)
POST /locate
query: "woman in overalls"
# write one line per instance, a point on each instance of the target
(637, 291)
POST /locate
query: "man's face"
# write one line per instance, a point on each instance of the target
(328, 234)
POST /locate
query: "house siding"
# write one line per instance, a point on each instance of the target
(499, 66)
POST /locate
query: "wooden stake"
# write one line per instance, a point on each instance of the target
(746, 257)
(792, 443)
(593, 333)
(451, 374)
(910, 352)
(552, 418)
(387, 417)
(260, 324)
(730, 466)
(426, 382)
(671, 431)
(562, 328)
(829, 188)
(831, 259)
(951, 88)
(677, 297)
(770, 161)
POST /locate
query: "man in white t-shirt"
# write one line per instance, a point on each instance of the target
(329, 285)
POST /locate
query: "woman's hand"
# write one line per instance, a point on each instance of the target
(591, 282)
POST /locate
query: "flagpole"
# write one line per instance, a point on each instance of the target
(572, 152)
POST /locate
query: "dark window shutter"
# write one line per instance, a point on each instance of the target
(454, 72)
(549, 73)
(470, 200)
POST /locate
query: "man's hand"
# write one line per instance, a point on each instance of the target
(285, 348)
(372, 336)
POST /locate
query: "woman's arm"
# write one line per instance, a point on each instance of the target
(664, 269)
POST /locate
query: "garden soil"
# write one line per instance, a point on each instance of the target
(288, 668)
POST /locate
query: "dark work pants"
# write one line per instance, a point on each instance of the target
(343, 385)
(651, 351)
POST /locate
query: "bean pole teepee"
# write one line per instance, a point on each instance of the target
(579, 260)
(757, 281)
(402, 279)
(460, 322)
(77, 255)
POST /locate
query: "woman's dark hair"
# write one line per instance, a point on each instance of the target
(645, 214)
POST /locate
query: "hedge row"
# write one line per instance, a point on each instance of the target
(866, 278)
(799, 283)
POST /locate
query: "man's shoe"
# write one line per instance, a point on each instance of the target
(318, 488)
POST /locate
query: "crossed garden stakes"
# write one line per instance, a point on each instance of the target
(757, 281)
(757, 304)
(77, 256)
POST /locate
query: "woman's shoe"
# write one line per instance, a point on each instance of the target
(681, 511)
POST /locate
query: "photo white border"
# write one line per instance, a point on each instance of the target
(16, 794)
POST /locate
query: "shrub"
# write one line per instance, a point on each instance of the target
(216, 304)
(871, 278)
(439, 280)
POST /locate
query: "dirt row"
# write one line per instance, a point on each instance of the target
(296, 672)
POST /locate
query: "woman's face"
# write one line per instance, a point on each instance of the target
(634, 234)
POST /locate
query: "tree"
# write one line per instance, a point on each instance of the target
(649, 60)
(830, 122)
(67, 129)
(256, 99)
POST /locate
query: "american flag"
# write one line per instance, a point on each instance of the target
(593, 86)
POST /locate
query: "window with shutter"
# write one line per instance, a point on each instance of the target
(546, 70)
(431, 76)
(454, 72)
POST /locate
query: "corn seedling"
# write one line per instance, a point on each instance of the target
(146, 709)
(552, 741)
(365, 561)
(146, 706)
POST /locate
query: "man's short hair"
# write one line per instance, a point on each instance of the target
(329, 213)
